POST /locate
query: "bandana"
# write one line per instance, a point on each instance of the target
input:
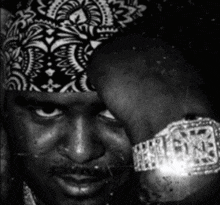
(48, 44)
(183, 148)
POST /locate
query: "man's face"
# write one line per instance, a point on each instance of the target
(71, 149)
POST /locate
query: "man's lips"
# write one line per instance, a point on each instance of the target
(84, 181)
(77, 178)
(80, 185)
(81, 181)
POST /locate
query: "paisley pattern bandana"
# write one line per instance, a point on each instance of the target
(183, 148)
(47, 46)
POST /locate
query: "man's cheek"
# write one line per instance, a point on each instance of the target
(29, 138)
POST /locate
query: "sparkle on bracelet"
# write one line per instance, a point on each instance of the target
(183, 148)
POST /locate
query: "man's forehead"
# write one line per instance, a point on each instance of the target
(65, 99)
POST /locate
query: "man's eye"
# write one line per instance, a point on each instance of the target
(107, 114)
(48, 112)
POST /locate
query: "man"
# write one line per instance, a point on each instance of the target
(66, 147)
(164, 105)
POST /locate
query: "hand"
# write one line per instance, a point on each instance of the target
(148, 88)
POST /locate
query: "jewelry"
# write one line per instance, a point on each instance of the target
(186, 147)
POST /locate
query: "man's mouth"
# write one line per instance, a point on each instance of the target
(80, 185)
(80, 181)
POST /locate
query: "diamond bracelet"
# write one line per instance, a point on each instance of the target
(185, 147)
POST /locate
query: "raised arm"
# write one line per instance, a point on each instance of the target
(159, 98)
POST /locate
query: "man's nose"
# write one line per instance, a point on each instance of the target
(82, 143)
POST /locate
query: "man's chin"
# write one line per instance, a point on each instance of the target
(98, 199)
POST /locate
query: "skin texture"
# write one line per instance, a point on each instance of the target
(147, 85)
(55, 135)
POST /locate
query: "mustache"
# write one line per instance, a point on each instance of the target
(97, 171)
